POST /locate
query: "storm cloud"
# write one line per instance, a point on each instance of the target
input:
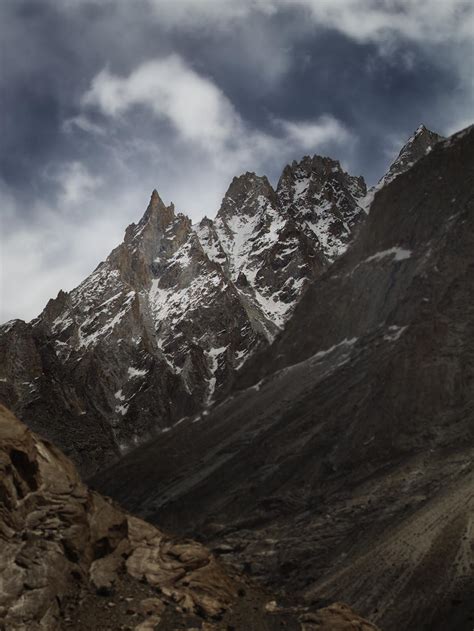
(103, 100)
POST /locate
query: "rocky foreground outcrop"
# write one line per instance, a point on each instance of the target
(72, 559)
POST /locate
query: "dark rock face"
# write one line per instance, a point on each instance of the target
(72, 559)
(158, 330)
(341, 465)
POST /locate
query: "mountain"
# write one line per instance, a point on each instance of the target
(71, 559)
(157, 331)
(340, 466)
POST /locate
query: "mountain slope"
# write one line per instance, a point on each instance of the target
(341, 466)
(158, 330)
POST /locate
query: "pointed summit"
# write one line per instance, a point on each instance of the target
(419, 144)
(157, 212)
(423, 136)
(150, 242)
(246, 195)
(155, 198)
(324, 200)
(156, 203)
(311, 174)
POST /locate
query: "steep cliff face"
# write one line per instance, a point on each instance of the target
(158, 330)
(72, 559)
(341, 465)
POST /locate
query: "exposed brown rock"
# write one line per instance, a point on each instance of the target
(336, 617)
(72, 559)
(58, 537)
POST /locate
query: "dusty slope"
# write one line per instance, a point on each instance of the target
(341, 468)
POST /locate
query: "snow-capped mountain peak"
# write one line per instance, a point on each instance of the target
(243, 193)
(158, 329)
(324, 200)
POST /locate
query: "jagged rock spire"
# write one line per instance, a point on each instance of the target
(324, 200)
(419, 144)
(155, 198)
(157, 207)
(243, 195)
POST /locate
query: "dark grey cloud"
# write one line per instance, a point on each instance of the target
(103, 100)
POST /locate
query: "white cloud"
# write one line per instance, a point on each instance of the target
(76, 182)
(211, 141)
(369, 20)
(208, 14)
(56, 247)
(362, 20)
(173, 91)
(201, 114)
(311, 134)
(83, 123)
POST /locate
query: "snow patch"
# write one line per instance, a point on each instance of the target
(399, 254)
(90, 338)
(300, 187)
(118, 395)
(213, 354)
(240, 358)
(320, 355)
(394, 333)
(7, 326)
(61, 323)
(136, 372)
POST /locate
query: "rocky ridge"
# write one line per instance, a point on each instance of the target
(156, 332)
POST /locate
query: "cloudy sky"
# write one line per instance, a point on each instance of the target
(103, 100)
